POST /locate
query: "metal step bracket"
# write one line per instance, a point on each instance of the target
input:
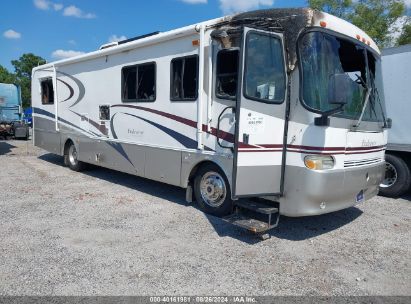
(254, 216)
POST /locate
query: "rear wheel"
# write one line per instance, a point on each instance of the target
(72, 159)
(212, 191)
(397, 178)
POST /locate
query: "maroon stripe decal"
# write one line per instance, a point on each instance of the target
(222, 134)
(365, 148)
(271, 146)
(316, 148)
(261, 150)
(366, 152)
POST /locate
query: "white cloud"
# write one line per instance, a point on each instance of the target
(194, 1)
(115, 38)
(57, 6)
(63, 54)
(235, 6)
(46, 5)
(74, 11)
(11, 34)
(407, 3)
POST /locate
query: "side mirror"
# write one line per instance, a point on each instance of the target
(388, 123)
(339, 85)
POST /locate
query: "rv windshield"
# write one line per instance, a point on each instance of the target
(322, 56)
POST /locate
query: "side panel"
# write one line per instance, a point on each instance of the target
(396, 67)
(45, 134)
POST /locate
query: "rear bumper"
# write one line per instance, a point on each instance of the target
(310, 192)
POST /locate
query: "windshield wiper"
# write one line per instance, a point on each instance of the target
(377, 96)
(367, 98)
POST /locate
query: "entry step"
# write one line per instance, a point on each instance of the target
(244, 221)
(254, 215)
(258, 207)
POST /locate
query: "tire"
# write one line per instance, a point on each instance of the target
(71, 159)
(212, 191)
(397, 179)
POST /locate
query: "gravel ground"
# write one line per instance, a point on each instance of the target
(102, 232)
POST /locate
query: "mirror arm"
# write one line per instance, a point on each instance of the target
(324, 119)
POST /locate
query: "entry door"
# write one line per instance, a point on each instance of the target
(260, 115)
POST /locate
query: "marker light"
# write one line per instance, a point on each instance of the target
(358, 37)
(319, 162)
(363, 40)
(323, 24)
(196, 42)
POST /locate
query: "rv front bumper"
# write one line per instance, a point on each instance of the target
(309, 192)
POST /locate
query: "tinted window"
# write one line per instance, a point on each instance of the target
(139, 83)
(47, 91)
(264, 72)
(184, 78)
(227, 74)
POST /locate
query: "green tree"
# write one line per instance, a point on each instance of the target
(6, 76)
(339, 8)
(23, 67)
(405, 37)
(376, 17)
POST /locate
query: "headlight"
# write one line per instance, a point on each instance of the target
(319, 162)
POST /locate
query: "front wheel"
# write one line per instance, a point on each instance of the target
(72, 159)
(212, 191)
(397, 178)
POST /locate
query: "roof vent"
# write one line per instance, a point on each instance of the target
(108, 45)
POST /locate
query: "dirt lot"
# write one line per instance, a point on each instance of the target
(106, 233)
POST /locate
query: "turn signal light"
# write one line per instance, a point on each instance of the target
(323, 24)
(319, 162)
(196, 42)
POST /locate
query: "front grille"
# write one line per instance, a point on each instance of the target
(362, 162)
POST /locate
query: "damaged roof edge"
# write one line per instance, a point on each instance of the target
(290, 21)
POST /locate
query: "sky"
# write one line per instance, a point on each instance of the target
(56, 29)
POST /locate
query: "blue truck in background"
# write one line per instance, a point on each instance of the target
(12, 122)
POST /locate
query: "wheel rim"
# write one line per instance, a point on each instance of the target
(213, 189)
(73, 155)
(390, 176)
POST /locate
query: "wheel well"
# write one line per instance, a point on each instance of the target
(198, 166)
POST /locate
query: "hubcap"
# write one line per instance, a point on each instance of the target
(73, 155)
(390, 176)
(213, 189)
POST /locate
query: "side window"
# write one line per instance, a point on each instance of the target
(47, 91)
(227, 73)
(184, 78)
(139, 83)
(264, 78)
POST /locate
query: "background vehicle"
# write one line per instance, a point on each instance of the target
(280, 105)
(11, 123)
(28, 116)
(396, 64)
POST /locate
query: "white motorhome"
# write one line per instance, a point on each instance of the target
(273, 104)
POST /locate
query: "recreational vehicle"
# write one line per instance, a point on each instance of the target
(274, 111)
